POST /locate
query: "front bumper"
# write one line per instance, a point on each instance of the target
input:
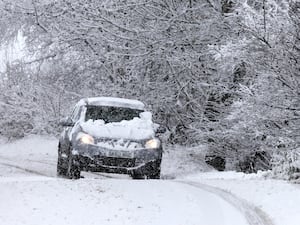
(99, 159)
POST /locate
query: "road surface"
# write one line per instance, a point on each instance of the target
(31, 194)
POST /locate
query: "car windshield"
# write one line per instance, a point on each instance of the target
(110, 113)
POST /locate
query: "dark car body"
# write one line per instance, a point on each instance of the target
(81, 151)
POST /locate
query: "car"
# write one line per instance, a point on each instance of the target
(112, 135)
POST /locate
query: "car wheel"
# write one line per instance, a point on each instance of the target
(152, 171)
(138, 176)
(73, 171)
(154, 174)
(61, 170)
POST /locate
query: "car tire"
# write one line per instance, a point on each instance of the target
(152, 171)
(138, 176)
(61, 170)
(73, 170)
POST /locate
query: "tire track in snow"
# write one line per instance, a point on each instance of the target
(50, 163)
(253, 214)
(24, 169)
(9, 163)
(46, 162)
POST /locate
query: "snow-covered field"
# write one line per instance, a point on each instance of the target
(31, 194)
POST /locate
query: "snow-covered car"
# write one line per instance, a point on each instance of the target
(113, 135)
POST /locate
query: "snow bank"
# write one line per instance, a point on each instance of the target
(179, 161)
(136, 129)
(279, 199)
(33, 145)
(230, 175)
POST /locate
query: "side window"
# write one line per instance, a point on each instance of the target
(75, 115)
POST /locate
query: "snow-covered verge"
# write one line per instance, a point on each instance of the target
(180, 161)
(31, 194)
(279, 199)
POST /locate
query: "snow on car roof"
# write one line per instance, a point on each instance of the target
(113, 101)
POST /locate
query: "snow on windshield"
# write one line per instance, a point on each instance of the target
(139, 128)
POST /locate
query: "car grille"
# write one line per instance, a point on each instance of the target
(118, 144)
(117, 162)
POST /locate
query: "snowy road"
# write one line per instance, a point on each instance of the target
(31, 194)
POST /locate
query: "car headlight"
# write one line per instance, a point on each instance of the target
(86, 139)
(152, 143)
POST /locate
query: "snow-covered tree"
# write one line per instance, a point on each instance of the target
(220, 72)
(156, 51)
(264, 116)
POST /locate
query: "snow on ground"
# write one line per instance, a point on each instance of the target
(31, 194)
(280, 200)
(35, 153)
(110, 201)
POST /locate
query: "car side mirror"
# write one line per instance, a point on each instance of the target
(161, 130)
(66, 122)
